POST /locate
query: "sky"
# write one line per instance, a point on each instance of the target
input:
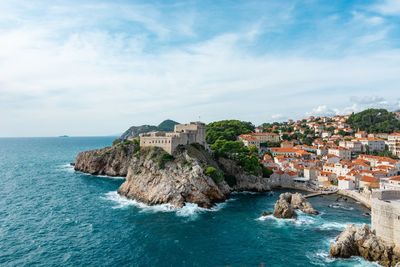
(88, 67)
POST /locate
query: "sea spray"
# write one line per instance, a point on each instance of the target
(188, 210)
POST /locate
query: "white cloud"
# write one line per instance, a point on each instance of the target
(387, 7)
(322, 110)
(63, 74)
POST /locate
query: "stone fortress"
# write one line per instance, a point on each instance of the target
(183, 134)
(385, 217)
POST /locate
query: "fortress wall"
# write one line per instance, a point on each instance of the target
(386, 215)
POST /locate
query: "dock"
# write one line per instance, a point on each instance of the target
(320, 193)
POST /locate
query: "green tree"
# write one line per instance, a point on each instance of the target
(227, 130)
(374, 121)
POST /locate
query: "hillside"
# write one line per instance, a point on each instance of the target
(374, 121)
(134, 131)
(167, 126)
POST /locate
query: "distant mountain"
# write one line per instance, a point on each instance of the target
(167, 125)
(374, 121)
(134, 131)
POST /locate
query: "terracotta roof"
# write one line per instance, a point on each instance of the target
(369, 179)
(395, 178)
(378, 158)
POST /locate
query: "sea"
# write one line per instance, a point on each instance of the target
(51, 215)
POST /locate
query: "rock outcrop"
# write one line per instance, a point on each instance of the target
(181, 180)
(362, 241)
(242, 180)
(155, 177)
(287, 203)
(283, 209)
(299, 202)
(111, 161)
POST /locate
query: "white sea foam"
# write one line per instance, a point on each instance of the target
(188, 210)
(66, 167)
(301, 220)
(322, 258)
(109, 177)
(305, 220)
(340, 206)
(102, 176)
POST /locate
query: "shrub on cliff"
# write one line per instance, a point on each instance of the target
(215, 174)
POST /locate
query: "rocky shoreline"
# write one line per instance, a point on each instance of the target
(362, 241)
(153, 177)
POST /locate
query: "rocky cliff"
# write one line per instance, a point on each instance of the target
(111, 161)
(176, 181)
(155, 177)
(361, 241)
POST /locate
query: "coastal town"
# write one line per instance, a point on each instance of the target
(322, 155)
(317, 153)
(336, 156)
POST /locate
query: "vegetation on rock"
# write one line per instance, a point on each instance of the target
(214, 173)
(221, 136)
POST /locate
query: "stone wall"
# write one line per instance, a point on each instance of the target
(386, 215)
(363, 197)
(184, 134)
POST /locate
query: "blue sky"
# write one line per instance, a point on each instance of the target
(98, 67)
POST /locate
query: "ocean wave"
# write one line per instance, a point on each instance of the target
(305, 220)
(100, 175)
(66, 167)
(322, 258)
(302, 219)
(188, 210)
(109, 177)
(340, 206)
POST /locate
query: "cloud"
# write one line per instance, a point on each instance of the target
(86, 70)
(360, 103)
(322, 110)
(357, 104)
(387, 7)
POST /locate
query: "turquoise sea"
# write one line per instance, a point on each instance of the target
(53, 216)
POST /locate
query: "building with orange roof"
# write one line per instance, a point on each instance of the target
(369, 182)
(378, 161)
(255, 139)
(360, 134)
(354, 146)
(371, 144)
(341, 152)
(391, 183)
(345, 183)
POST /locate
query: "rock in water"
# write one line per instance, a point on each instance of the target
(362, 241)
(283, 209)
(299, 202)
(287, 204)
